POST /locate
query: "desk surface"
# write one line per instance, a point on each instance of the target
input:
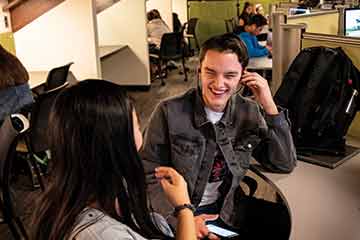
(36, 78)
(105, 51)
(325, 203)
(260, 63)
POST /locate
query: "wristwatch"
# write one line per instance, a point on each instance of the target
(189, 206)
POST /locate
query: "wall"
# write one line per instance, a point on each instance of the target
(3, 26)
(101, 5)
(325, 24)
(124, 23)
(29, 10)
(165, 9)
(180, 7)
(63, 34)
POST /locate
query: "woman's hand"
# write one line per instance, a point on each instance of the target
(174, 185)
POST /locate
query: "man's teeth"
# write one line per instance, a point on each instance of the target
(218, 91)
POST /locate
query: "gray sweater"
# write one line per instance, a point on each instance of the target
(93, 224)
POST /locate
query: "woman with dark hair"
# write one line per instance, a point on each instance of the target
(156, 28)
(97, 185)
(245, 16)
(15, 92)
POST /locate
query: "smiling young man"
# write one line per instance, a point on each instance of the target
(209, 134)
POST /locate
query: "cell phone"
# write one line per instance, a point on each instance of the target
(222, 232)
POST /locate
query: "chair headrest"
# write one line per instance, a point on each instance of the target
(19, 122)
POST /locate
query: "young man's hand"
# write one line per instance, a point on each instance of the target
(260, 88)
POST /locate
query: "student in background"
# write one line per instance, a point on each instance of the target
(156, 27)
(176, 22)
(245, 15)
(15, 92)
(252, 29)
(97, 185)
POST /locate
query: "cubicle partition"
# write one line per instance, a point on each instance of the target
(325, 22)
(123, 43)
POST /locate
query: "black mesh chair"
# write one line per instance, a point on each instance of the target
(36, 137)
(9, 132)
(190, 32)
(229, 25)
(271, 214)
(171, 48)
(56, 78)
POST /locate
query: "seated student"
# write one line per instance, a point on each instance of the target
(252, 29)
(97, 185)
(15, 92)
(308, 3)
(245, 15)
(156, 27)
(210, 133)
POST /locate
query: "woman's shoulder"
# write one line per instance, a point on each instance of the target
(93, 224)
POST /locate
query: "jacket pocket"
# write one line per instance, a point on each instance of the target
(243, 148)
(186, 155)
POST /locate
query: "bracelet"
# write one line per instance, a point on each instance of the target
(189, 206)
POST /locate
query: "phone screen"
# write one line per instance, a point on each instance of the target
(222, 232)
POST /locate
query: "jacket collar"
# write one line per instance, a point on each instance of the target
(200, 114)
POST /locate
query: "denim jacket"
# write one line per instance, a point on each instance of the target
(180, 135)
(12, 99)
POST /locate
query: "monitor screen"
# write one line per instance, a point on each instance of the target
(352, 22)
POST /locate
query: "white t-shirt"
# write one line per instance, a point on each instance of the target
(211, 193)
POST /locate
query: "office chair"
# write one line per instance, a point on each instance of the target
(229, 25)
(10, 129)
(171, 48)
(56, 78)
(256, 211)
(190, 32)
(36, 137)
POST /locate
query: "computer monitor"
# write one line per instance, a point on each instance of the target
(352, 22)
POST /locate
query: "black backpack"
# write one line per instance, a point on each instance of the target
(320, 90)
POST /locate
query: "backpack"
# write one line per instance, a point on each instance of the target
(320, 90)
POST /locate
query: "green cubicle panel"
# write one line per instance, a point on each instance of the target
(7, 41)
(211, 15)
(353, 52)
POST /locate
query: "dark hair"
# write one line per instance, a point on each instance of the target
(246, 5)
(257, 19)
(153, 14)
(227, 43)
(94, 160)
(12, 72)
